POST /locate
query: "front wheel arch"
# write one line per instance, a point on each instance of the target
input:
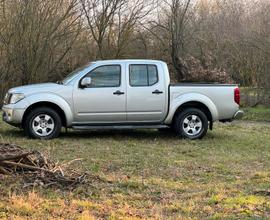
(51, 105)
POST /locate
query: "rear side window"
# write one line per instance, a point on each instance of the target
(143, 75)
(105, 76)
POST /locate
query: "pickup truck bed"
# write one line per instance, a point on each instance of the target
(223, 108)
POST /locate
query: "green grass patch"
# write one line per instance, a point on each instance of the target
(150, 175)
(259, 113)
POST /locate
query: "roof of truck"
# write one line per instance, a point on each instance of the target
(128, 60)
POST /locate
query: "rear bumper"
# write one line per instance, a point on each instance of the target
(238, 115)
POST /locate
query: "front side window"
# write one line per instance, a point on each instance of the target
(143, 75)
(105, 76)
(73, 74)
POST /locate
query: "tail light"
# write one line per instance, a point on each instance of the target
(237, 95)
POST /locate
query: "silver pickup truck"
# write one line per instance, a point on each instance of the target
(120, 94)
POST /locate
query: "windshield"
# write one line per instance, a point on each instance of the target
(74, 73)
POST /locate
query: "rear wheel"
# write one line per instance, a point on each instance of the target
(43, 123)
(191, 123)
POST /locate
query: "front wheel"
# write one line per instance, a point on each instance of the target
(191, 123)
(43, 123)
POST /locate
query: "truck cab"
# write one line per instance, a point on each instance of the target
(121, 92)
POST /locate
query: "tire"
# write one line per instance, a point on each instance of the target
(43, 123)
(191, 123)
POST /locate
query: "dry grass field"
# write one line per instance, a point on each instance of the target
(146, 174)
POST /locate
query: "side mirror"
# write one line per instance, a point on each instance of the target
(86, 82)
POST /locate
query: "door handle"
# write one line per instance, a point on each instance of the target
(157, 92)
(118, 93)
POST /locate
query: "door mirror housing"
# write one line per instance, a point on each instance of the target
(86, 82)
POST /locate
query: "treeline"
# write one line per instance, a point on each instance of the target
(201, 40)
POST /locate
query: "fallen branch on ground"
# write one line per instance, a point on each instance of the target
(37, 169)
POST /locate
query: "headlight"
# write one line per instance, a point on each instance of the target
(6, 99)
(16, 97)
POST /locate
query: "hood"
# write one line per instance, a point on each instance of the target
(35, 88)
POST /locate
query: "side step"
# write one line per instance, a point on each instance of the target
(120, 127)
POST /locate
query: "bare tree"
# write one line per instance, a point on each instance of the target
(37, 36)
(177, 21)
(99, 15)
(43, 40)
(113, 23)
(174, 22)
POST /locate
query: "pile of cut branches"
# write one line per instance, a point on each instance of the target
(36, 169)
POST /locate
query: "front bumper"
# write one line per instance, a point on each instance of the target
(12, 116)
(238, 115)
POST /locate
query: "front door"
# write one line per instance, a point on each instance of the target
(104, 100)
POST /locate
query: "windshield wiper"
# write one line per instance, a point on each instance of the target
(59, 82)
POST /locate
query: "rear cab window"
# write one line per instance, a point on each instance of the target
(143, 75)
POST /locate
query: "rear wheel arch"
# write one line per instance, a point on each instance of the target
(194, 104)
(51, 105)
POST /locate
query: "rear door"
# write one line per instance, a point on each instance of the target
(146, 94)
